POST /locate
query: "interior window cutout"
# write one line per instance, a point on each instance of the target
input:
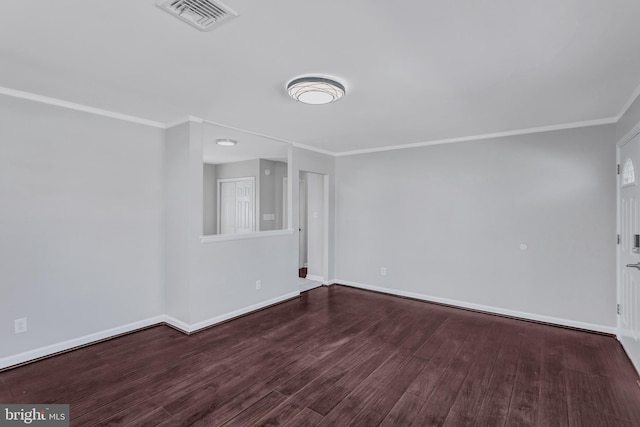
(245, 190)
(628, 173)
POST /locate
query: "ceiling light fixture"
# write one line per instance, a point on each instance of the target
(225, 142)
(315, 90)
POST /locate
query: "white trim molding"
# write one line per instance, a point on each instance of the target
(314, 149)
(78, 107)
(212, 238)
(308, 286)
(176, 324)
(635, 131)
(183, 120)
(612, 330)
(115, 115)
(630, 101)
(292, 143)
(52, 349)
(316, 278)
(227, 316)
(605, 121)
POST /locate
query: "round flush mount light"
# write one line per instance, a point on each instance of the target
(315, 90)
(225, 142)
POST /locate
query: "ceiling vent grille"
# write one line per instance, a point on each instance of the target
(202, 14)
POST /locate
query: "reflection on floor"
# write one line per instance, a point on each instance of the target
(307, 284)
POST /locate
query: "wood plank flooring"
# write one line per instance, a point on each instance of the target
(337, 357)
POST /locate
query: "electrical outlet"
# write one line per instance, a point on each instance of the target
(383, 271)
(258, 284)
(20, 325)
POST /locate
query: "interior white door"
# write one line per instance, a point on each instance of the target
(629, 260)
(236, 205)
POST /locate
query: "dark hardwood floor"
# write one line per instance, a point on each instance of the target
(339, 356)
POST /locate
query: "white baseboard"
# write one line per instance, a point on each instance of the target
(110, 333)
(309, 286)
(219, 319)
(316, 278)
(485, 308)
(175, 323)
(48, 350)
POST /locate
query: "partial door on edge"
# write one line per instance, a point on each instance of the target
(629, 260)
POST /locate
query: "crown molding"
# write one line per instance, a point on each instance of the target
(211, 122)
(294, 144)
(540, 129)
(133, 119)
(188, 119)
(630, 101)
(314, 149)
(635, 131)
(78, 107)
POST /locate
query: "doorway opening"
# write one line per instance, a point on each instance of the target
(313, 220)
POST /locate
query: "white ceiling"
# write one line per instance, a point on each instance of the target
(415, 70)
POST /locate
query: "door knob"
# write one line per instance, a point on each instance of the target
(634, 265)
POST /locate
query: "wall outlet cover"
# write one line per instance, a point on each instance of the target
(20, 325)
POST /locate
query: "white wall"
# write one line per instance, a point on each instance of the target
(219, 276)
(241, 169)
(281, 194)
(226, 272)
(210, 200)
(271, 193)
(83, 228)
(101, 229)
(177, 178)
(81, 224)
(447, 221)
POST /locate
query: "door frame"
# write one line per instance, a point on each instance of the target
(302, 228)
(619, 145)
